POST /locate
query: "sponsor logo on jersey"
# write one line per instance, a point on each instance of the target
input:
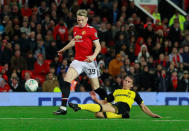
(77, 37)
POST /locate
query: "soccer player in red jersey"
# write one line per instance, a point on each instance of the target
(85, 37)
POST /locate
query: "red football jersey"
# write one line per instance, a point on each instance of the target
(84, 38)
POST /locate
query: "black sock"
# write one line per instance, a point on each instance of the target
(65, 89)
(101, 92)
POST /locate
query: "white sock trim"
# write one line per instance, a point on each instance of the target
(63, 108)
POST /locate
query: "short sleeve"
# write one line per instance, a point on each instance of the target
(138, 99)
(110, 97)
(94, 34)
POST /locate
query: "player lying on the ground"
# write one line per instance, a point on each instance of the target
(123, 101)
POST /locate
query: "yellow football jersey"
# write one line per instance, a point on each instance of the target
(126, 96)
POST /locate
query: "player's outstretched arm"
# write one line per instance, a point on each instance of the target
(68, 46)
(94, 97)
(146, 110)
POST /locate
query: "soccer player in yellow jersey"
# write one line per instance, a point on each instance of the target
(123, 100)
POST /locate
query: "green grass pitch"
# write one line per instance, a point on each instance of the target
(175, 118)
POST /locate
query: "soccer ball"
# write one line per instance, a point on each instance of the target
(31, 85)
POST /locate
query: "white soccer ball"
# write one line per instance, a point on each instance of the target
(31, 85)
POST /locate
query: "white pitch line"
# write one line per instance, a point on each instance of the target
(63, 119)
(90, 119)
(166, 117)
(22, 118)
(53, 119)
(186, 129)
(169, 120)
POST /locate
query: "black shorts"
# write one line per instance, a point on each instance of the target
(121, 108)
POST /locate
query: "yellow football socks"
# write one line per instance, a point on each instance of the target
(90, 107)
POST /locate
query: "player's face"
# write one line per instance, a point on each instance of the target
(82, 21)
(127, 83)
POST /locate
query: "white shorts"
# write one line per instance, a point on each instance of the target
(90, 69)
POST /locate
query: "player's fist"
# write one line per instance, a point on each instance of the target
(89, 58)
(60, 52)
(156, 116)
(93, 95)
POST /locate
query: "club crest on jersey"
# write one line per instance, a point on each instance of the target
(83, 32)
(96, 35)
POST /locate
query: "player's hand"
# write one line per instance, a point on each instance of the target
(89, 58)
(93, 95)
(60, 52)
(156, 116)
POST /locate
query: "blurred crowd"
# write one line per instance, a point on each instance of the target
(31, 33)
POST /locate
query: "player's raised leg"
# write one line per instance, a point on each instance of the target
(96, 87)
(65, 89)
(93, 73)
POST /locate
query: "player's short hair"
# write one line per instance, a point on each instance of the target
(135, 86)
(132, 78)
(82, 12)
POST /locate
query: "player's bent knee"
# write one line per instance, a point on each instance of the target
(108, 108)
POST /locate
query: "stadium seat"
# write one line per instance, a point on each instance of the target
(48, 62)
(5, 77)
(1, 67)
